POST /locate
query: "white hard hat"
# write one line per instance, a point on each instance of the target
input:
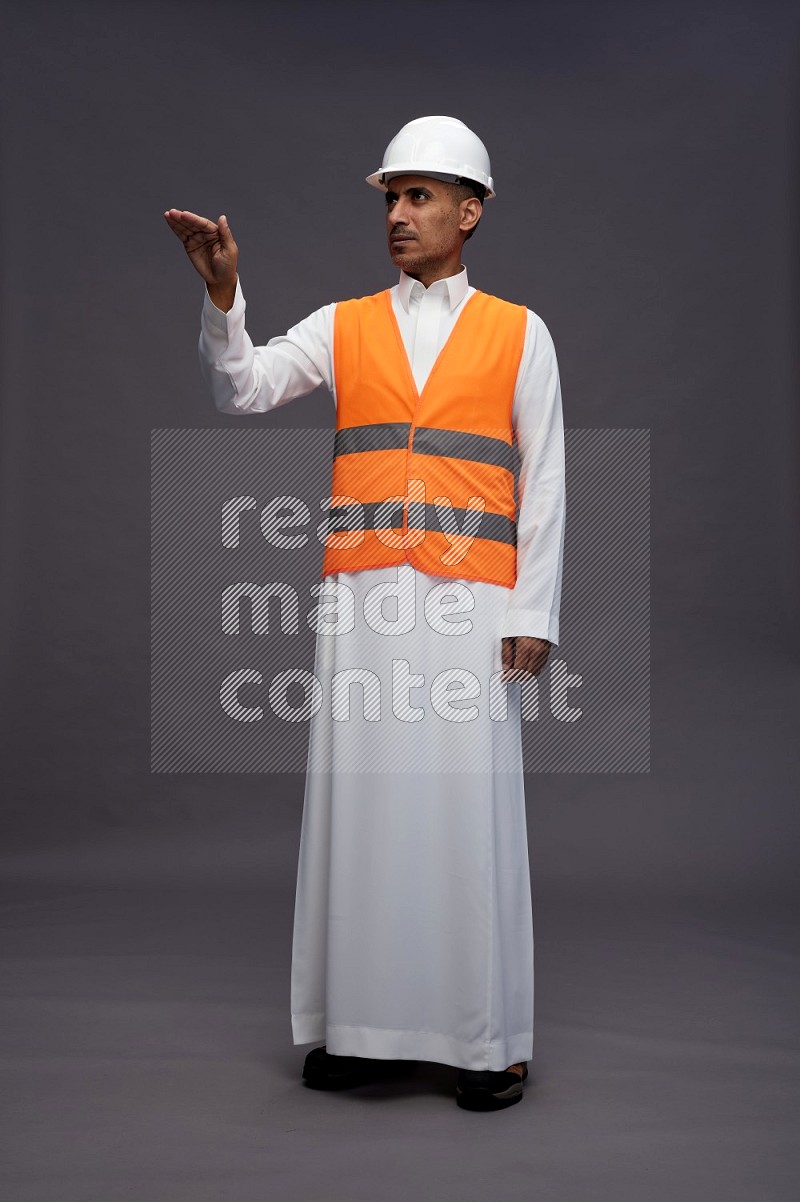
(439, 146)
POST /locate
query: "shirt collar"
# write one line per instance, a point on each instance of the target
(453, 286)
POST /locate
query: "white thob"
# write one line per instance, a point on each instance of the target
(413, 934)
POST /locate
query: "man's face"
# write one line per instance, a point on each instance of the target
(422, 222)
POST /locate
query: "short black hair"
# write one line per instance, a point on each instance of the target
(477, 189)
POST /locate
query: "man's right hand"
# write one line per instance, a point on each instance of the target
(212, 250)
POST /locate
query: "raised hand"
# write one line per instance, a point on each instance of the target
(211, 249)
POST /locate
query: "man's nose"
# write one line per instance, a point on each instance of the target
(398, 214)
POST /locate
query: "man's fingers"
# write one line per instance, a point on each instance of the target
(225, 235)
(187, 224)
(527, 658)
(532, 662)
(190, 220)
(511, 659)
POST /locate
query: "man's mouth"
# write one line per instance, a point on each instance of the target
(395, 238)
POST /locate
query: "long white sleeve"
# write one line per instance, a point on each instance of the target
(535, 600)
(246, 379)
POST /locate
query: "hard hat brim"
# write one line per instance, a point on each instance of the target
(377, 177)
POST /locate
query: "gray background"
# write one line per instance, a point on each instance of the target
(646, 166)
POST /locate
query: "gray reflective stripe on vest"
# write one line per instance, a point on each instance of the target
(494, 526)
(457, 444)
(428, 440)
(382, 436)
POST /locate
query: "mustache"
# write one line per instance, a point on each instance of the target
(395, 234)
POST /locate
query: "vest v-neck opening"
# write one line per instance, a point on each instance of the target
(418, 393)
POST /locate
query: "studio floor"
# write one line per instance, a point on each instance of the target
(147, 1054)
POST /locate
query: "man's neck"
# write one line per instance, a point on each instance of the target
(426, 278)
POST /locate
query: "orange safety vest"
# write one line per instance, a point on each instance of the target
(425, 478)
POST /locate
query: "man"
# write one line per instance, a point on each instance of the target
(413, 935)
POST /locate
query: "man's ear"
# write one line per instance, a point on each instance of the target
(471, 211)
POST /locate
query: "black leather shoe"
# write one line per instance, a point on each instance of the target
(324, 1071)
(486, 1090)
